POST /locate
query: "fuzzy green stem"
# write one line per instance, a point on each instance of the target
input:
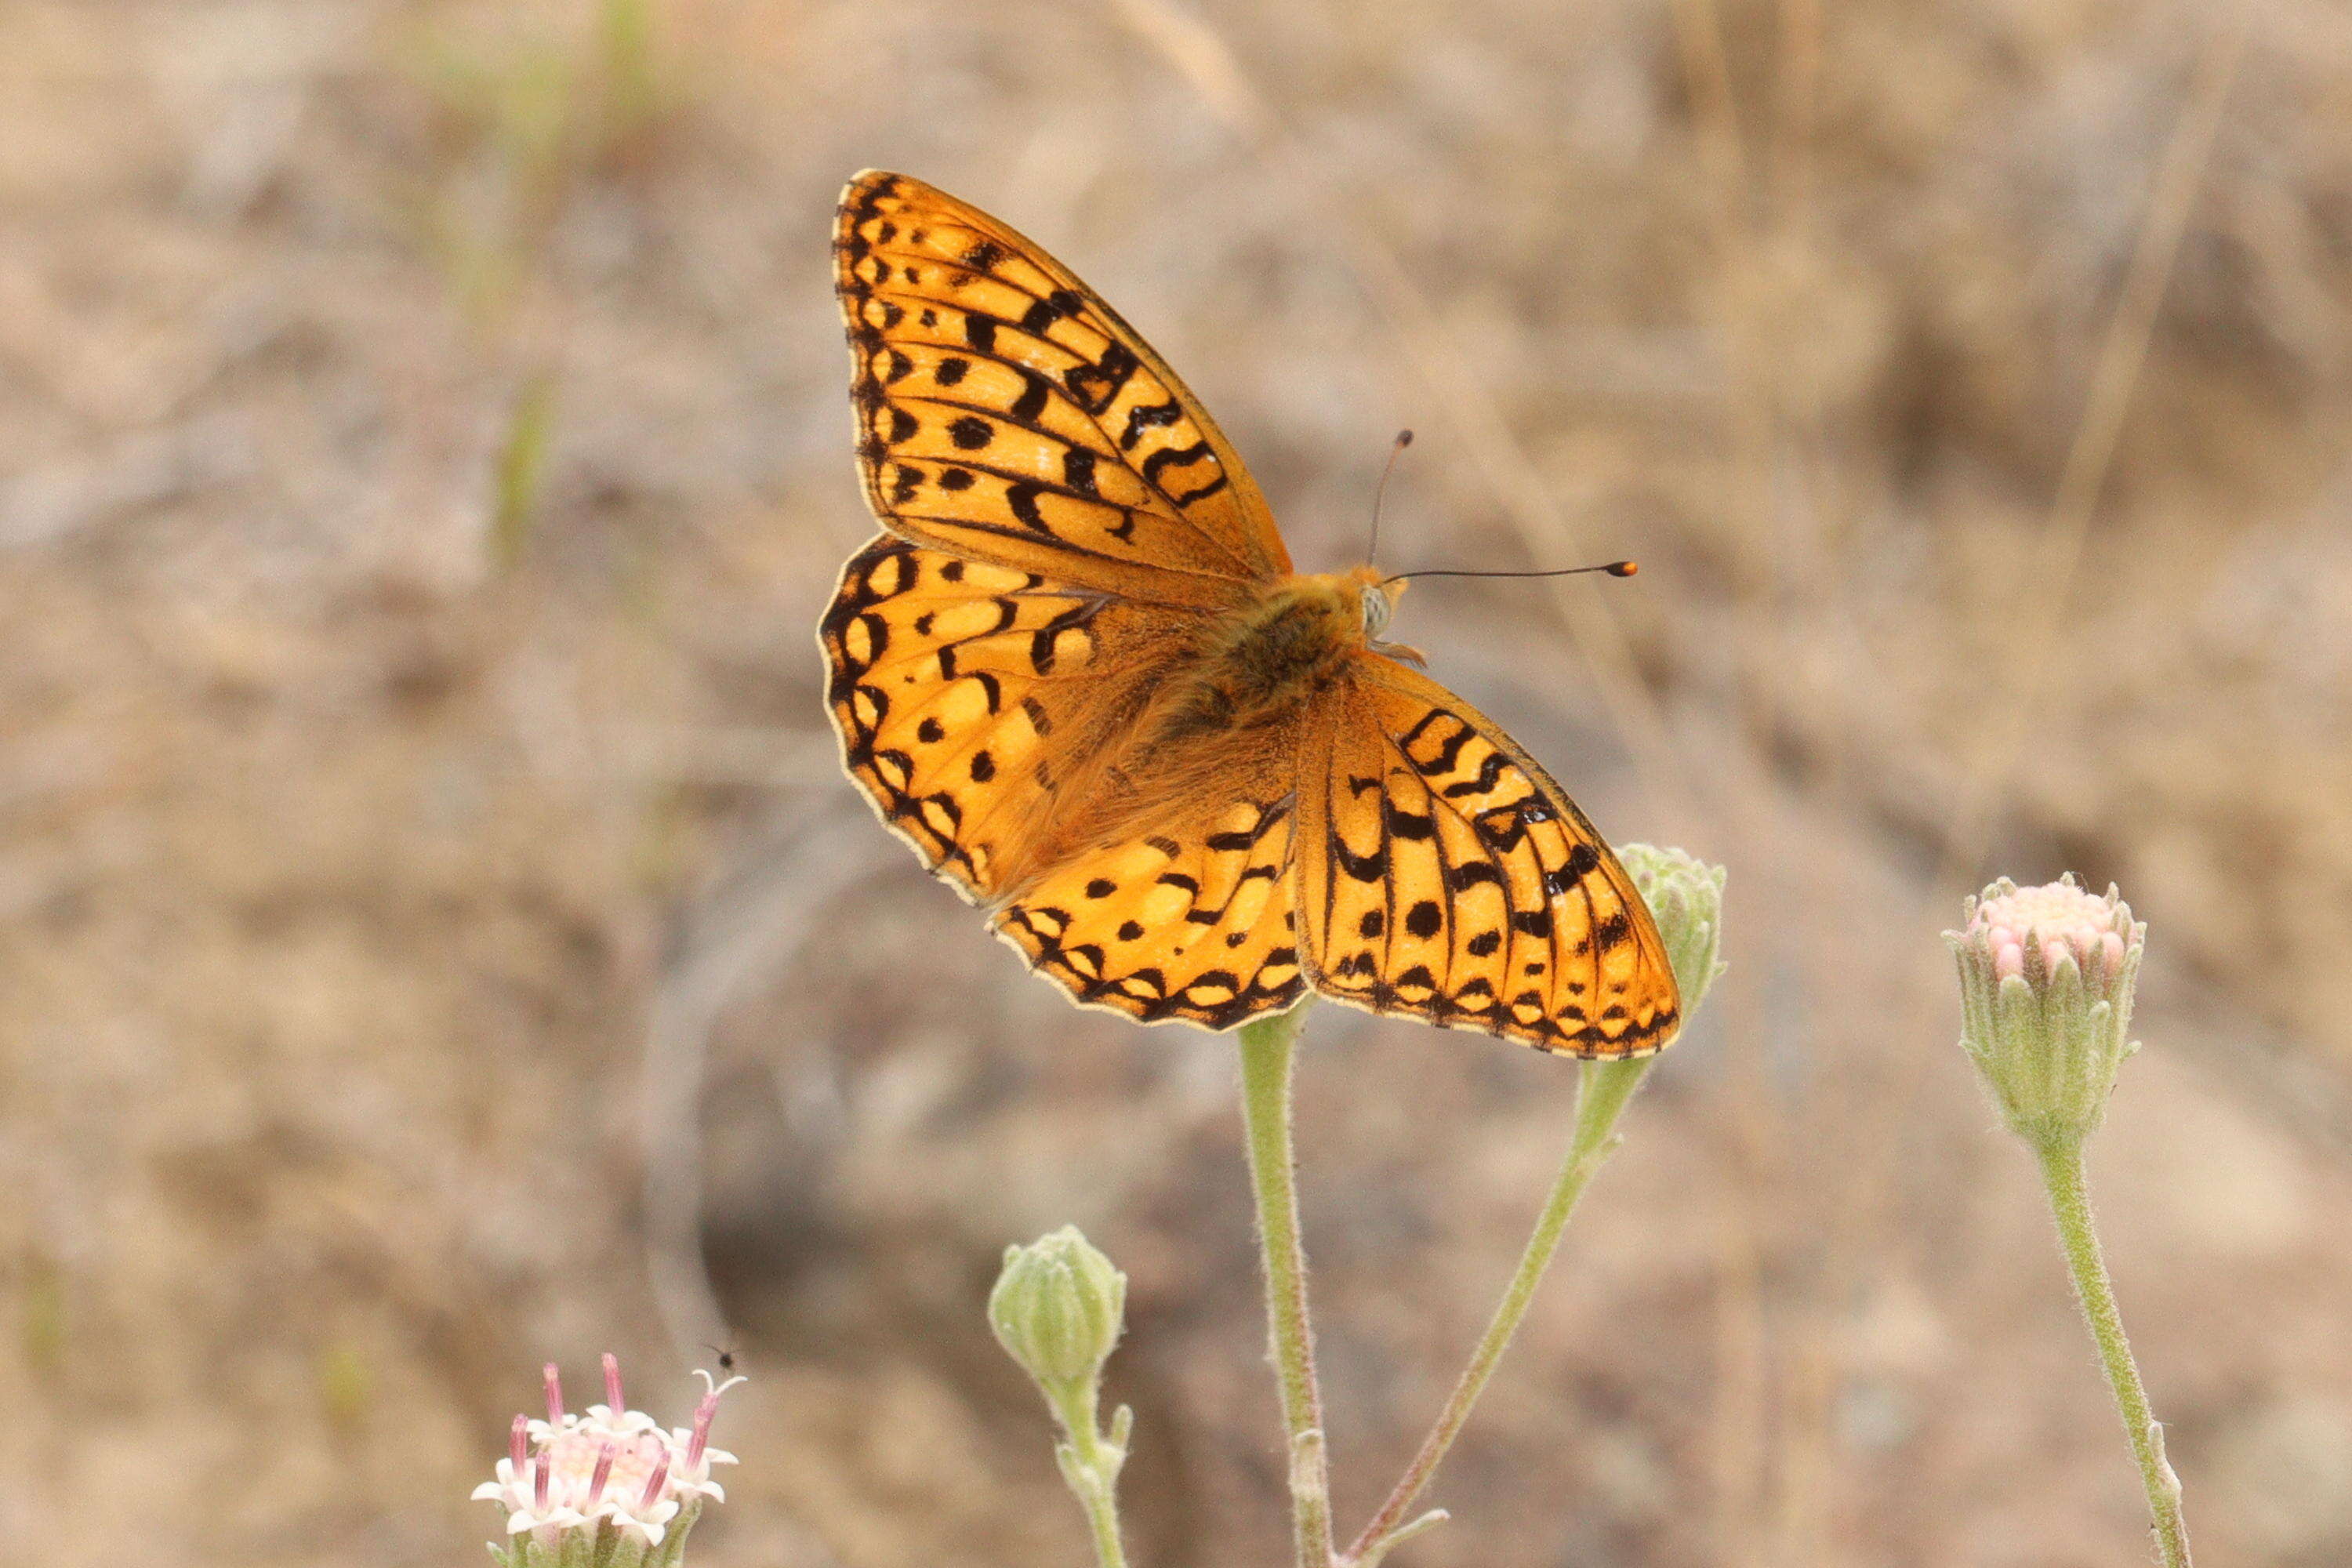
(2069, 1204)
(1602, 1090)
(1091, 1464)
(1268, 1053)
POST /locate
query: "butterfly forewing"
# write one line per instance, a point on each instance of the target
(1005, 412)
(1444, 874)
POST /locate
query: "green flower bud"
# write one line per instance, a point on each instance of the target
(2047, 980)
(1058, 1308)
(1685, 899)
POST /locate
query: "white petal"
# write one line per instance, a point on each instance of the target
(519, 1521)
(487, 1491)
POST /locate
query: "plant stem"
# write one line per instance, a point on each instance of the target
(1091, 1465)
(2069, 1204)
(1601, 1092)
(1268, 1051)
(1102, 1515)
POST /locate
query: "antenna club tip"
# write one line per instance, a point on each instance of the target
(1623, 568)
(1403, 438)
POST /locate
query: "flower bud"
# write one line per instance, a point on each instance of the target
(2047, 980)
(1685, 899)
(1058, 1308)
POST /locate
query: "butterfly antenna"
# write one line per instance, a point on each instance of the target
(1614, 569)
(1372, 545)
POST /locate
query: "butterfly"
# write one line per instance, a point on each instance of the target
(1077, 674)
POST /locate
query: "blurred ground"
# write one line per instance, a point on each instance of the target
(424, 453)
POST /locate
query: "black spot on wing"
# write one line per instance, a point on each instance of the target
(1405, 824)
(1144, 416)
(1033, 393)
(1488, 773)
(1022, 499)
(1097, 387)
(1172, 457)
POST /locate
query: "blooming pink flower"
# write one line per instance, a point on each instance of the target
(611, 1472)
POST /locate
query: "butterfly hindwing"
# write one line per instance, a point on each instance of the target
(1192, 922)
(1005, 412)
(1443, 874)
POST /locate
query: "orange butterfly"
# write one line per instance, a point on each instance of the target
(1078, 675)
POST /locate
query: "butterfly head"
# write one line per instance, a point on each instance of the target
(1376, 600)
(1379, 603)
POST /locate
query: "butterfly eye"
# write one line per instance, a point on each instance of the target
(1376, 612)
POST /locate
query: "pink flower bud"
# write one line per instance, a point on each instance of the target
(2046, 979)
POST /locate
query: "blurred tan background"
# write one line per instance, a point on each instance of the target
(435, 936)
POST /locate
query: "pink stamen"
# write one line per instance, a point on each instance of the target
(538, 1484)
(554, 1394)
(702, 1415)
(517, 1443)
(613, 1383)
(604, 1471)
(654, 1482)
